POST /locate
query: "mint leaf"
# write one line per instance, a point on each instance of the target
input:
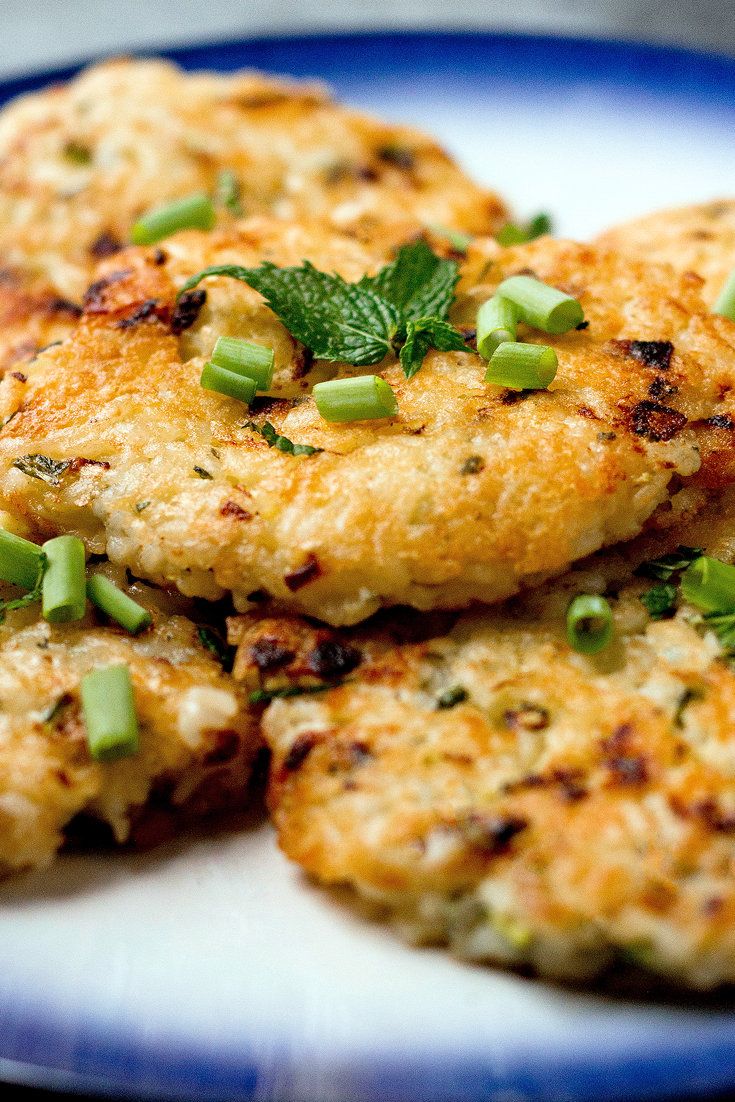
(660, 600)
(418, 282)
(667, 565)
(335, 319)
(360, 323)
(428, 333)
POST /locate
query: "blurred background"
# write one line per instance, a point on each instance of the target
(42, 33)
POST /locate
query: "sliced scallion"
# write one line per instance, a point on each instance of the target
(522, 366)
(20, 560)
(227, 382)
(709, 584)
(542, 306)
(725, 304)
(589, 623)
(195, 212)
(245, 358)
(497, 320)
(117, 605)
(108, 707)
(362, 398)
(64, 593)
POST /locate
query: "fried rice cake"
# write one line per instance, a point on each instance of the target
(80, 162)
(469, 493)
(698, 238)
(198, 735)
(493, 790)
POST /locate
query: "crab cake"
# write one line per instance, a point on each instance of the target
(198, 738)
(500, 793)
(469, 493)
(80, 162)
(699, 238)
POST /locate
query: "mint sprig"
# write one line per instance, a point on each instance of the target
(361, 323)
(418, 282)
(424, 334)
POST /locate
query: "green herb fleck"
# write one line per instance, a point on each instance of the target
(660, 601)
(283, 443)
(663, 567)
(451, 697)
(54, 710)
(141, 505)
(229, 192)
(472, 465)
(78, 153)
(202, 472)
(42, 467)
(264, 696)
(212, 641)
(685, 700)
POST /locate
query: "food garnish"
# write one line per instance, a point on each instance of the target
(108, 707)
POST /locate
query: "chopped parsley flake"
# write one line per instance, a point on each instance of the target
(660, 601)
(663, 567)
(283, 443)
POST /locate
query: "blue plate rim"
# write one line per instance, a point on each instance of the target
(106, 1065)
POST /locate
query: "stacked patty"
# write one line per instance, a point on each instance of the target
(458, 761)
(80, 162)
(470, 492)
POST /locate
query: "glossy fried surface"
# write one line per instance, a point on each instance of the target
(80, 162)
(698, 238)
(498, 792)
(471, 492)
(198, 738)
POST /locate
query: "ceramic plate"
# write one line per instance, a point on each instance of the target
(210, 969)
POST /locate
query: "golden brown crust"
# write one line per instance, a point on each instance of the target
(564, 812)
(698, 238)
(79, 163)
(198, 736)
(390, 512)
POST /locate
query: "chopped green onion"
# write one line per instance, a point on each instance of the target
(497, 320)
(362, 398)
(108, 706)
(196, 212)
(227, 382)
(725, 304)
(20, 560)
(117, 605)
(245, 358)
(64, 593)
(513, 234)
(589, 623)
(709, 584)
(522, 366)
(542, 306)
